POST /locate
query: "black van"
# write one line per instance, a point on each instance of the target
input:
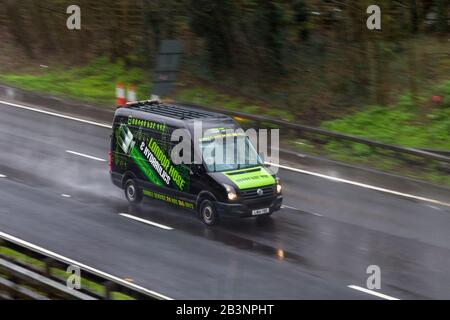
(140, 163)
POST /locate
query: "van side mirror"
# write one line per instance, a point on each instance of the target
(196, 169)
(199, 168)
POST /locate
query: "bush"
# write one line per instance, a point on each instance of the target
(400, 124)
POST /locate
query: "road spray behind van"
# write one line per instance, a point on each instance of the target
(141, 162)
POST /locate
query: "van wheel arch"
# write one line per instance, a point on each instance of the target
(126, 176)
(207, 211)
(204, 195)
(133, 193)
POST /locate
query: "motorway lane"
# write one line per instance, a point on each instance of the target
(295, 255)
(177, 264)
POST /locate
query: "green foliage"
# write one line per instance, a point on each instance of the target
(259, 48)
(208, 97)
(402, 125)
(251, 109)
(280, 114)
(20, 257)
(444, 91)
(95, 82)
(399, 125)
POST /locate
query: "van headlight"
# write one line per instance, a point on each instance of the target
(231, 192)
(278, 186)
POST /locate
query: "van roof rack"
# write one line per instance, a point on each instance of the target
(172, 110)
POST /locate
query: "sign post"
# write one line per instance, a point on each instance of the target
(167, 63)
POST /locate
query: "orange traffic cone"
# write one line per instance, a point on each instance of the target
(120, 94)
(131, 93)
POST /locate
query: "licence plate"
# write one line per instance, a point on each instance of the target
(260, 211)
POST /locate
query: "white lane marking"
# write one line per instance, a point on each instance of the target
(85, 155)
(285, 206)
(434, 207)
(145, 221)
(362, 185)
(296, 209)
(315, 214)
(81, 265)
(2, 176)
(374, 293)
(358, 184)
(55, 114)
(66, 195)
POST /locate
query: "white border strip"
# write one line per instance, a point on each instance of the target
(85, 155)
(81, 265)
(2, 176)
(126, 215)
(362, 185)
(55, 114)
(358, 184)
(374, 293)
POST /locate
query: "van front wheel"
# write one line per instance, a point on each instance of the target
(208, 213)
(132, 192)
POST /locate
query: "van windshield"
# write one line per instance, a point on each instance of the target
(224, 154)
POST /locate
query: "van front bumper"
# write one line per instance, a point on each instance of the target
(242, 210)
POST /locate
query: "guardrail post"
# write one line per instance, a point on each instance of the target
(48, 266)
(13, 293)
(109, 288)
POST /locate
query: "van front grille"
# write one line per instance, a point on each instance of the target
(252, 194)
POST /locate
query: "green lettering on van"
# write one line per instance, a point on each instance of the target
(252, 179)
(169, 199)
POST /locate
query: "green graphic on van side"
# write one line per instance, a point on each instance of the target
(142, 163)
(125, 140)
(250, 178)
(151, 159)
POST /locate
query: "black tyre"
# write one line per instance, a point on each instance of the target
(208, 213)
(132, 192)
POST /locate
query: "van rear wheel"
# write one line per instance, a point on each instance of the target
(132, 192)
(208, 213)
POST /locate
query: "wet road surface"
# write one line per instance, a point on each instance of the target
(315, 247)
